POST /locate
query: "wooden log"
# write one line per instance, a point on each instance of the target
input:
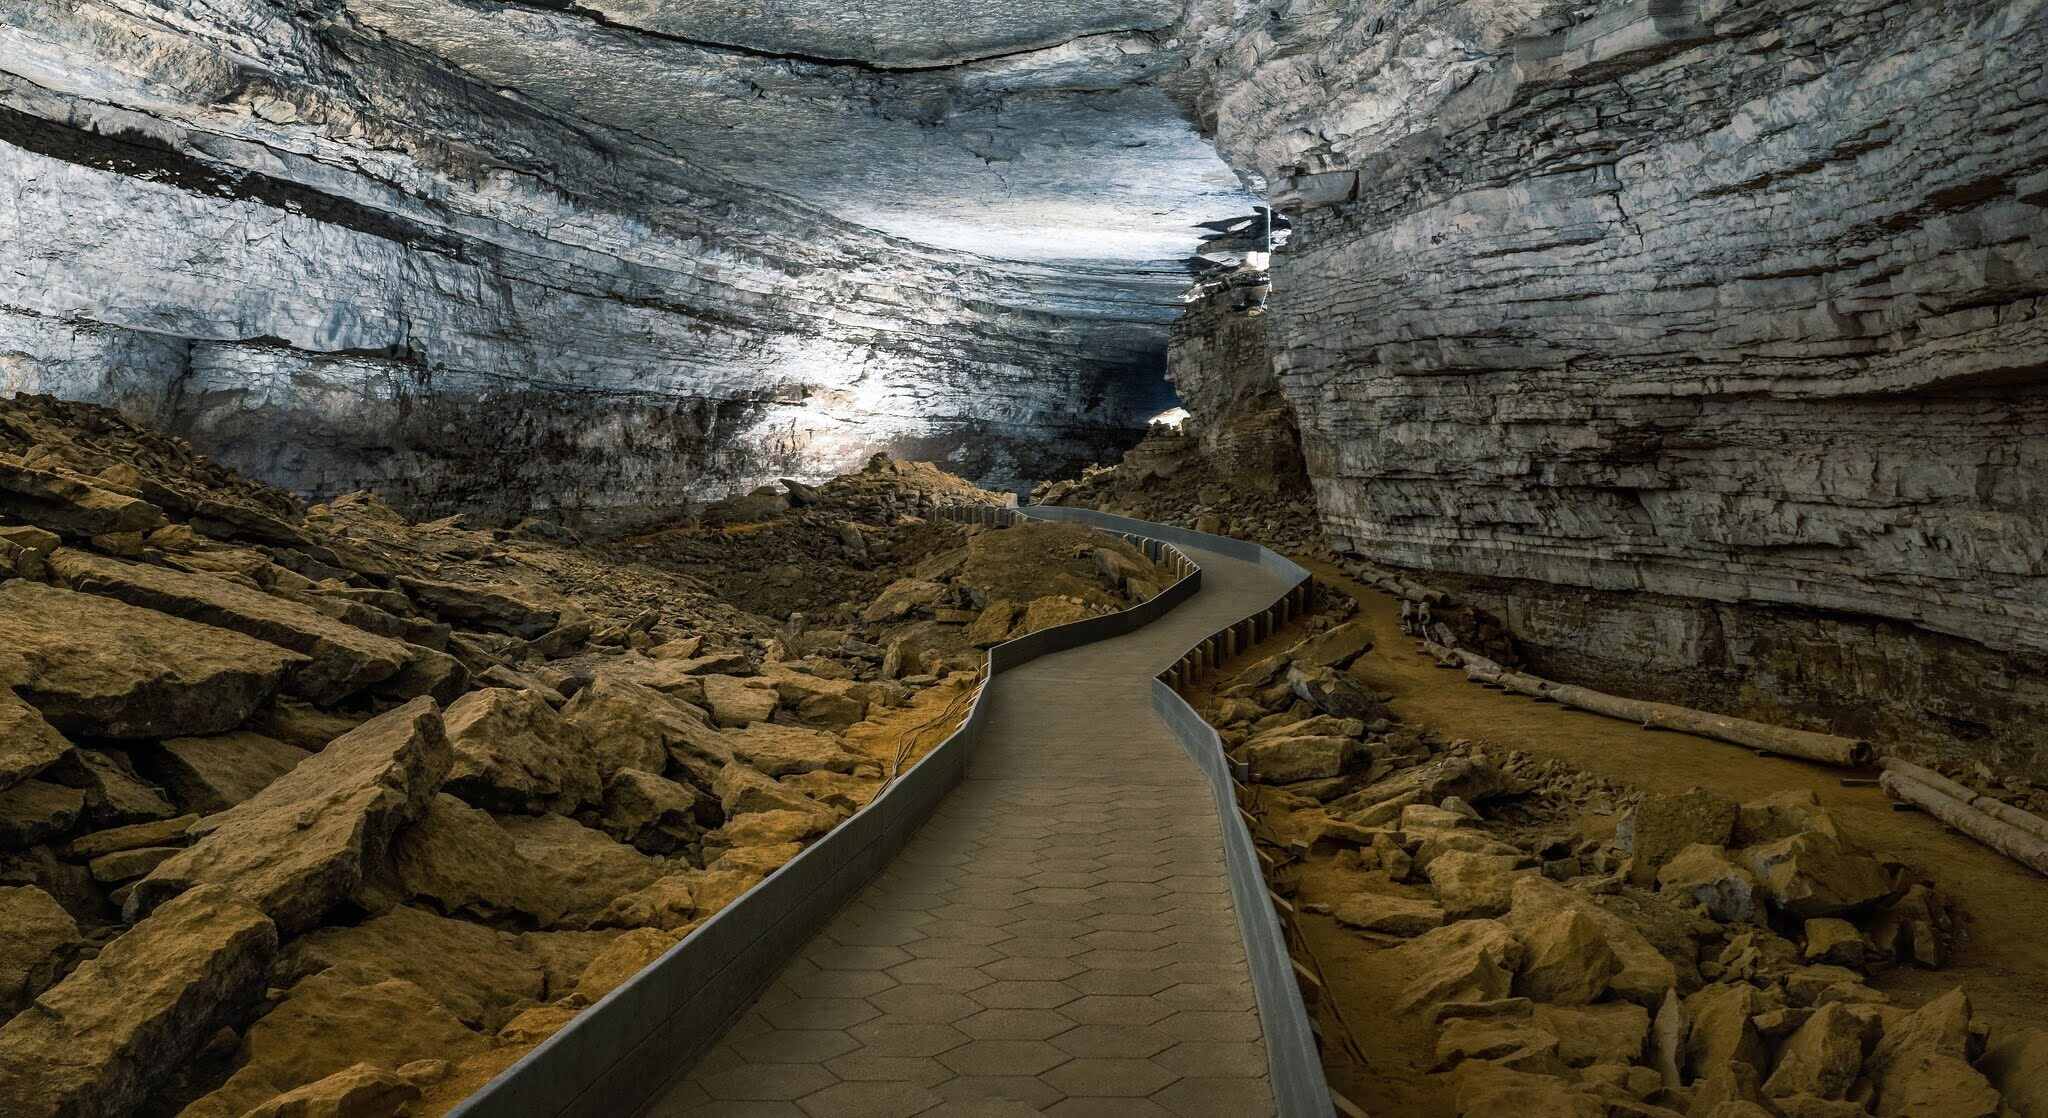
(2028, 849)
(1989, 805)
(1825, 748)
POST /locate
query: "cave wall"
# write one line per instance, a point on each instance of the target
(1693, 336)
(1219, 360)
(337, 260)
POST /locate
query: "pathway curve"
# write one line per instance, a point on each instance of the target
(1058, 939)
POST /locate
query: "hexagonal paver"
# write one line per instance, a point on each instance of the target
(1025, 995)
(796, 1046)
(1121, 1041)
(966, 1092)
(1100, 1107)
(903, 1038)
(767, 1082)
(839, 983)
(1003, 1057)
(833, 956)
(1220, 1059)
(1031, 968)
(869, 1100)
(1200, 995)
(1219, 1098)
(921, 1070)
(924, 1004)
(1108, 1076)
(1131, 921)
(1033, 947)
(1127, 940)
(947, 974)
(1236, 1025)
(820, 1013)
(1015, 1024)
(1114, 1009)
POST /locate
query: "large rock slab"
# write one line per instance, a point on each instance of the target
(1470, 961)
(340, 659)
(98, 1042)
(71, 506)
(522, 611)
(1470, 884)
(585, 870)
(36, 811)
(480, 974)
(38, 941)
(1813, 874)
(739, 702)
(213, 774)
(633, 726)
(653, 814)
(513, 752)
(1662, 826)
(99, 668)
(306, 842)
(1644, 974)
(28, 744)
(459, 860)
(1824, 1056)
(115, 794)
(789, 750)
(330, 1022)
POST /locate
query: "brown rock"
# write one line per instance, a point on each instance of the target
(71, 506)
(994, 624)
(28, 745)
(1334, 693)
(330, 1022)
(38, 941)
(522, 611)
(653, 814)
(667, 903)
(458, 859)
(583, 870)
(482, 975)
(1929, 1085)
(901, 598)
(1782, 815)
(738, 702)
(514, 753)
(788, 750)
(1471, 885)
(1811, 874)
(1662, 826)
(1473, 960)
(1566, 958)
(162, 832)
(2018, 1066)
(1704, 875)
(36, 811)
(1824, 1057)
(356, 1091)
(1285, 759)
(98, 1042)
(127, 865)
(99, 668)
(623, 958)
(115, 794)
(213, 774)
(563, 955)
(340, 659)
(1508, 1042)
(1486, 1090)
(305, 842)
(1610, 1033)
(1721, 1029)
(1834, 941)
(1050, 612)
(1388, 915)
(742, 788)
(768, 828)
(633, 726)
(298, 724)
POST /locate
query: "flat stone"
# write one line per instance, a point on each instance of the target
(1470, 885)
(583, 869)
(630, 726)
(1387, 915)
(127, 865)
(213, 774)
(356, 1091)
(1812, 874)
(36, 811)
(1472, 960)
(307, 841)
(522, 611)
(28, 744)
(72, 506)
(99, 668)
(782, 751)
(161, 832)
(99, 1041)
(1662, 826)
(458, 859)
(651, 813)
(480, 974)
(737, 702)
(340, 659)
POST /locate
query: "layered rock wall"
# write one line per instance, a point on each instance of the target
(339, 261)
(1218, 360)
(1720, 315)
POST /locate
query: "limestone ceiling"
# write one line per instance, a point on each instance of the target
(1035, 132)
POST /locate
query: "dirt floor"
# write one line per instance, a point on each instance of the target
(2001, 958)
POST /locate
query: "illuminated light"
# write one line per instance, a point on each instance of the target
(1172, 417)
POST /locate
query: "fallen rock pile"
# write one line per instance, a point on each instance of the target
(316, 810)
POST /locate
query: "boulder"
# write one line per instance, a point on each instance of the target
(1919, 1050)
(328, 1023)
(1609, 1033)
(305, 843)
(1782, 815)
(36, 811)
(1510, 1042)
(1050, 612)
(135, 836)
(100, 668)
(563, 955)
(1705, 875)
(356, 1091)
(1387, 915)
(1335, 647)
(1943, 1085)
(1566, 959)
(788, 750)
(459, 860)
(1834, 941)
(480, 974)
(514, 753)
(739, 702)
(666, 903)
(653, 814)
(68, 505)
(213, 774)
(1469, 780)
(1287, 758)
(115, 793)
(582, 869)
(2018, 1066)
(1470, 961)
(1722, 1032)
(1662, 826)
(522, 611)
(38, 941)
(127, 865)
(1489, 1090)
(742, 788)
(623, 958)
(1812, 874)
(992, 627)
(1335, 693)
(296, 723)
(901, 598)
(1644, 974)
(1912, 929)
(1825, 1055)
(768, 828)
(101, 1040)
(28, 744)
(340, 659)
(1469, 885)
(632, 726)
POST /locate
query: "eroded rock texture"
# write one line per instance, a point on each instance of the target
(498, 256)
(1733, 303)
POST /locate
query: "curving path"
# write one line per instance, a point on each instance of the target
(1058, 938)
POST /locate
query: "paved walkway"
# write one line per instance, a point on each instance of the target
(1058, 939)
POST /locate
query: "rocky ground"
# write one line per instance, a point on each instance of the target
(315, 810)
(1500, 933)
